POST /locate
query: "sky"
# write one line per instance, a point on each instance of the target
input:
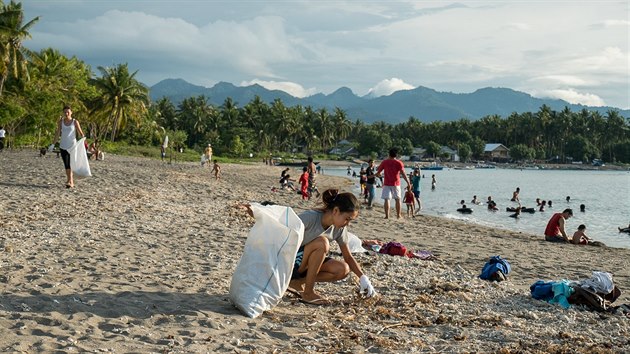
(572, 50)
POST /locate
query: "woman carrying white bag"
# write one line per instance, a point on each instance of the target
(67, 128)
(321, 226)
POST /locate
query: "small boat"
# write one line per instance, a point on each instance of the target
(432, 167)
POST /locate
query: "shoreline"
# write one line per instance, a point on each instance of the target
(139, 257)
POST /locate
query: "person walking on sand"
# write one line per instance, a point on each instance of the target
(312, 264)
(392, 168)
(3, 134)
(312, 170)
(66, 136)
(208, 153)
(304, 184)
(217, 170)
(556, 226)
(370, 183)
(409, 201)
(415, 182)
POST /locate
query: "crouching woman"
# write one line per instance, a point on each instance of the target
(312, 264)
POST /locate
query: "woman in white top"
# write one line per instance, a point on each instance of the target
(67, 129)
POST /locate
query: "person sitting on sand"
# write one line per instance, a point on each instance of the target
(321, 226)
(555, 227)
(94, 150)
(624, 229)
(579, 237)
(287, 182)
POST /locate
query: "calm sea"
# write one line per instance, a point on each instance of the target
(606, 195)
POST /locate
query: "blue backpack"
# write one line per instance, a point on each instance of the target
(496, 269)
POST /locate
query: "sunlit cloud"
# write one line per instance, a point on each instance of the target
(572, 96)
(388, 86)
(295, 90)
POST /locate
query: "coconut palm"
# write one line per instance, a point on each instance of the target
(122, 100)
(13, 56)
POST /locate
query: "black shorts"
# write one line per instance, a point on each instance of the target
(65, 156)
(298, 262)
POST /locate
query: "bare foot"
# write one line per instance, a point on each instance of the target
(313, 298)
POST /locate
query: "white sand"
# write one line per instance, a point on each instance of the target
(139, 258)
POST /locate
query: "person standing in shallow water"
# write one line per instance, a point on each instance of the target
(67, 129)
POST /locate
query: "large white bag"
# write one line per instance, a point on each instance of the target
(79, 160)
(264, 271)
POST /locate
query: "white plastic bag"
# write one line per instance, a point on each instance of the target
(600, 282)
(264, 271)
(79, 160)
(355, 244)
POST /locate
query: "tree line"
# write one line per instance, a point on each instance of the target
(113, 105)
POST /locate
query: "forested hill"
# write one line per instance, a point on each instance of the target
(422, 103)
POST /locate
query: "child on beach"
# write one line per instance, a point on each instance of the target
(579, 237)
(304, 184)
(216, 169)
(415, 183)
(312, 264)
(409, 200)
(287, 182)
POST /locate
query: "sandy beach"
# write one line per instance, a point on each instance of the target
(139, 257)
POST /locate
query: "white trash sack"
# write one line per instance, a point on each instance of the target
(355, 244)
(79, 160)
(264, 271)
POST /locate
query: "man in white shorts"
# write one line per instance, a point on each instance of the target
(393, 168)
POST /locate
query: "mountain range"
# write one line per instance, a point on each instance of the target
(423, 103)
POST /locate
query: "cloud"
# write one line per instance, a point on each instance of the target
(388, 86)
(295, 90)
(611, 23)
(560, 80)
(572, 96)
(248, 47)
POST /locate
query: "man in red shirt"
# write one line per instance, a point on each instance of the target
(555, 227)
(393, 168)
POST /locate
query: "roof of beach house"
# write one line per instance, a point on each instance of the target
(492, 147)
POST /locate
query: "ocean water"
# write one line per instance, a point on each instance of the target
(606, 195)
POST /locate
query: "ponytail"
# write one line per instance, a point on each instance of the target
(345, 202)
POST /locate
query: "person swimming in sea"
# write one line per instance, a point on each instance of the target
(624, 229)
(582, 208)
(464, 209)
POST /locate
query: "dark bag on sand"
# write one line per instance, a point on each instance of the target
(496, 269)
(592, 299)
(393, 249)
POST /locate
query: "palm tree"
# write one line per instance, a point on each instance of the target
(13, 57)
(326, 128)
(123, 99)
